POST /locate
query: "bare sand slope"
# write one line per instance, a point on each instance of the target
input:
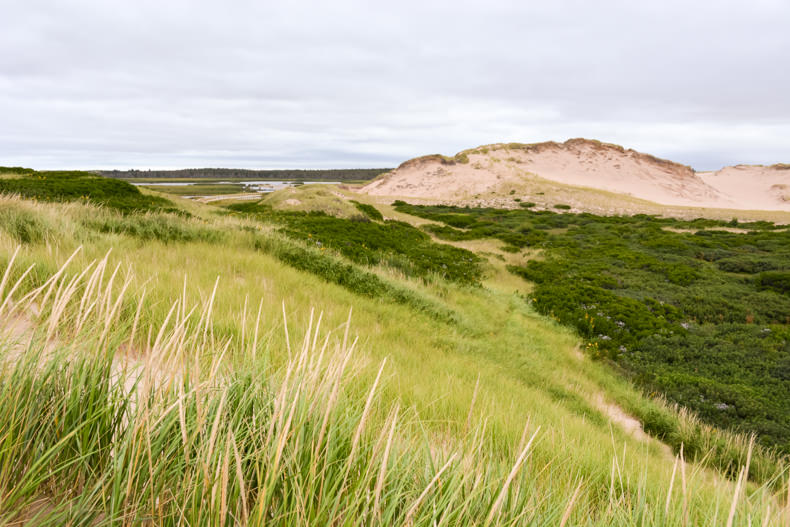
(753, 186)
(503, 168)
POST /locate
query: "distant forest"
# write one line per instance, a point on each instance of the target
(338, 174)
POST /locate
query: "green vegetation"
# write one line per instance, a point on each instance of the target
(392, 243)
(682, 312)
(778, 281)
(350, 277)
(334, 174)
(198, 189)
(16, 170)
(84, 186)
(183, 378)
(311, 198)
(368, 210)
(136, 434)
(171, 442)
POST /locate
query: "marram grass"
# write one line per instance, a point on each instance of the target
(109, 419)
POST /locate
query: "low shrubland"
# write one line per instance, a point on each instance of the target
(691, 315)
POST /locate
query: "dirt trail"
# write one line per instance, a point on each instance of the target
(617, 415)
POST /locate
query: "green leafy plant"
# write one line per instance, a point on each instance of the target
(368, 210)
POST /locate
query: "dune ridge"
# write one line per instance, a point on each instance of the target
(503, 168)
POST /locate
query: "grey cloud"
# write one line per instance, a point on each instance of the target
(259, 84)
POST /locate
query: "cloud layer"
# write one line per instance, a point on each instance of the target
(104, 84)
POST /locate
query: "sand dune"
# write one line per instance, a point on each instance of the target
(501, 168)
(753, 186)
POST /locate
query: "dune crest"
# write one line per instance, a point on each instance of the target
(499, 168)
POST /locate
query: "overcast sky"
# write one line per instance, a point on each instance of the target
(258, 84)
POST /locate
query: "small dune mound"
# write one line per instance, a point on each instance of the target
(513, 169)
(311, 198)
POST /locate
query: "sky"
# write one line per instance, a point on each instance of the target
(261, 84)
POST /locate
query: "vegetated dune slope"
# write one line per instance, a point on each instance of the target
(504, 168)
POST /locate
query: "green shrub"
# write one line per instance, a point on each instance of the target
(16, 170)
(368, 210)
(83, 186)
(778, 281)
(745, 264)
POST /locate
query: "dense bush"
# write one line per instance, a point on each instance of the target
(368, 210)
(745, 264)
(778, 281)
(75, 185)
(392, 243)
(702, 317)
(16, 170)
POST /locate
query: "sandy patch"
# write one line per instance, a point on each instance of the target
(617, 415)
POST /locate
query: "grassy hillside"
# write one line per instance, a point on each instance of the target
(205, 372)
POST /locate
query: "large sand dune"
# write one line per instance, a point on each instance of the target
(502, 169)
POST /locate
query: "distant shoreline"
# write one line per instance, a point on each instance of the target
(334, 174)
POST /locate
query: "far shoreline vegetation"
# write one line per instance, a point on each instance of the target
(329, 174)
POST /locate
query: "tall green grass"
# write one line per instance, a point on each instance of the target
(108, 419)
(460, 387)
